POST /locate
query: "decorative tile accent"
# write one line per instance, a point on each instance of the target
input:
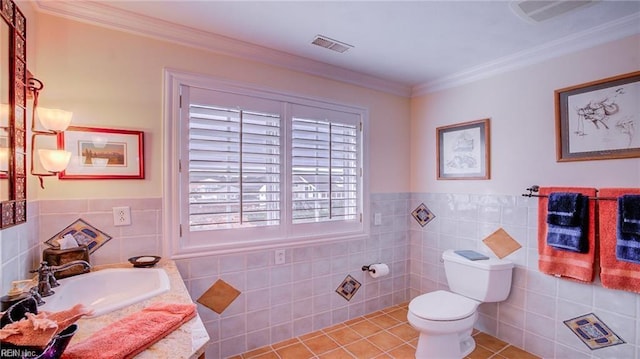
(501, 243)
(83, 233)
(219, 296)
(423, 214)
(348, 288)
(593, 332)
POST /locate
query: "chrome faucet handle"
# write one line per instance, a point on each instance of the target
(53, 282)
(34, 293)
(43, 266)
(44, 281)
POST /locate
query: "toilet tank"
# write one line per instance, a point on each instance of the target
(487, 280)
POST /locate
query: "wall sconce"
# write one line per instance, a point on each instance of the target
(53, 121)
(5, 111)
(4, 161)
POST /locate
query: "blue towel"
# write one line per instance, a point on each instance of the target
(563, 209)
(630, 213)
(572, 237)
(628, 241)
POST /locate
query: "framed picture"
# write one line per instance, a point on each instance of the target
(83, 233)
(102, 153)
(463, 150)
(597, 120)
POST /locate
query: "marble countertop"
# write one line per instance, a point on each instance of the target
(188, 341)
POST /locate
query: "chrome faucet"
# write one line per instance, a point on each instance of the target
(46, 278)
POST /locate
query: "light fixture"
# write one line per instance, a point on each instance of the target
(53, 121)
(5, 111)
(4, 160)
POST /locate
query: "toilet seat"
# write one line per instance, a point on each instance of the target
(442, 306)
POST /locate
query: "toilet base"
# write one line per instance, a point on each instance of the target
(445, 346)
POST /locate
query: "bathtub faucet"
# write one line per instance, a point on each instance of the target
(46, 278)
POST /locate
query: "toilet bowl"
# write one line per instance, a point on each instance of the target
(445, 319)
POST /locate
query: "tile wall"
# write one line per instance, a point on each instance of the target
(532, 317)
(279, 302)
(19, 249)
(21, 246)
(283, 301)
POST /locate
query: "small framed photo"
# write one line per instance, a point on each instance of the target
(83, 233)
(598, 120)
(463, 151)
(103, 153)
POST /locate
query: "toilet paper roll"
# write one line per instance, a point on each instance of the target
(378, 270)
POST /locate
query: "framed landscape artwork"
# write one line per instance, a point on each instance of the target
(103, 153)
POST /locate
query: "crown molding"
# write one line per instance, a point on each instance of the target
(107, 16)
(626, 26)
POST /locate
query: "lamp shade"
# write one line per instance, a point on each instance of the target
(54, 160)
(5, 112)
(54, 119)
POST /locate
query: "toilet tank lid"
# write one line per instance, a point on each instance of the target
(486, 264)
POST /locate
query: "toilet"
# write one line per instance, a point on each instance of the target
(445, 319)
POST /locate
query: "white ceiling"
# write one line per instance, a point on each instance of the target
(399, 46)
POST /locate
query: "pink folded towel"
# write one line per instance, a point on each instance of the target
(133, 334)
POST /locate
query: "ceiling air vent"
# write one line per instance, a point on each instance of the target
(331, 44)
(538, 10)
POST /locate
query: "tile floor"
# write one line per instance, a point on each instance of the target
(379, 335)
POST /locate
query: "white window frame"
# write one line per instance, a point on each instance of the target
(174, 241)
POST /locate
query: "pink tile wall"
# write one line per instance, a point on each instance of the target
(277, 301)
(533, 314)
(142, 237)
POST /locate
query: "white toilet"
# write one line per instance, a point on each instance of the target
(445, 319)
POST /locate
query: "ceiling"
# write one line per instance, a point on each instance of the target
(404, 47)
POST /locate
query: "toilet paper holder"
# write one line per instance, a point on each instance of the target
(376, 270)
(368, 269)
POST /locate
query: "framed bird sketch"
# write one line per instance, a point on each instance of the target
(598, 120)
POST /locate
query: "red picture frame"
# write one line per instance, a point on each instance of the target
(102, 153)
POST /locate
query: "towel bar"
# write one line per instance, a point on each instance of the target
(536, 188)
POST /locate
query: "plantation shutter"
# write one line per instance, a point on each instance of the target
(257, 169)
(325, 166)
(234, 165)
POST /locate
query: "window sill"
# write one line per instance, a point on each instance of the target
(231, 248)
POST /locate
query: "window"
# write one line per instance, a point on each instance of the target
(258, 168)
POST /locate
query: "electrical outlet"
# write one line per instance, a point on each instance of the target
(280, 256)
(121, 216)
(377, 219)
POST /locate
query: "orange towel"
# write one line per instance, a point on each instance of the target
(133, 334)
(573, 265)
(615, 274)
